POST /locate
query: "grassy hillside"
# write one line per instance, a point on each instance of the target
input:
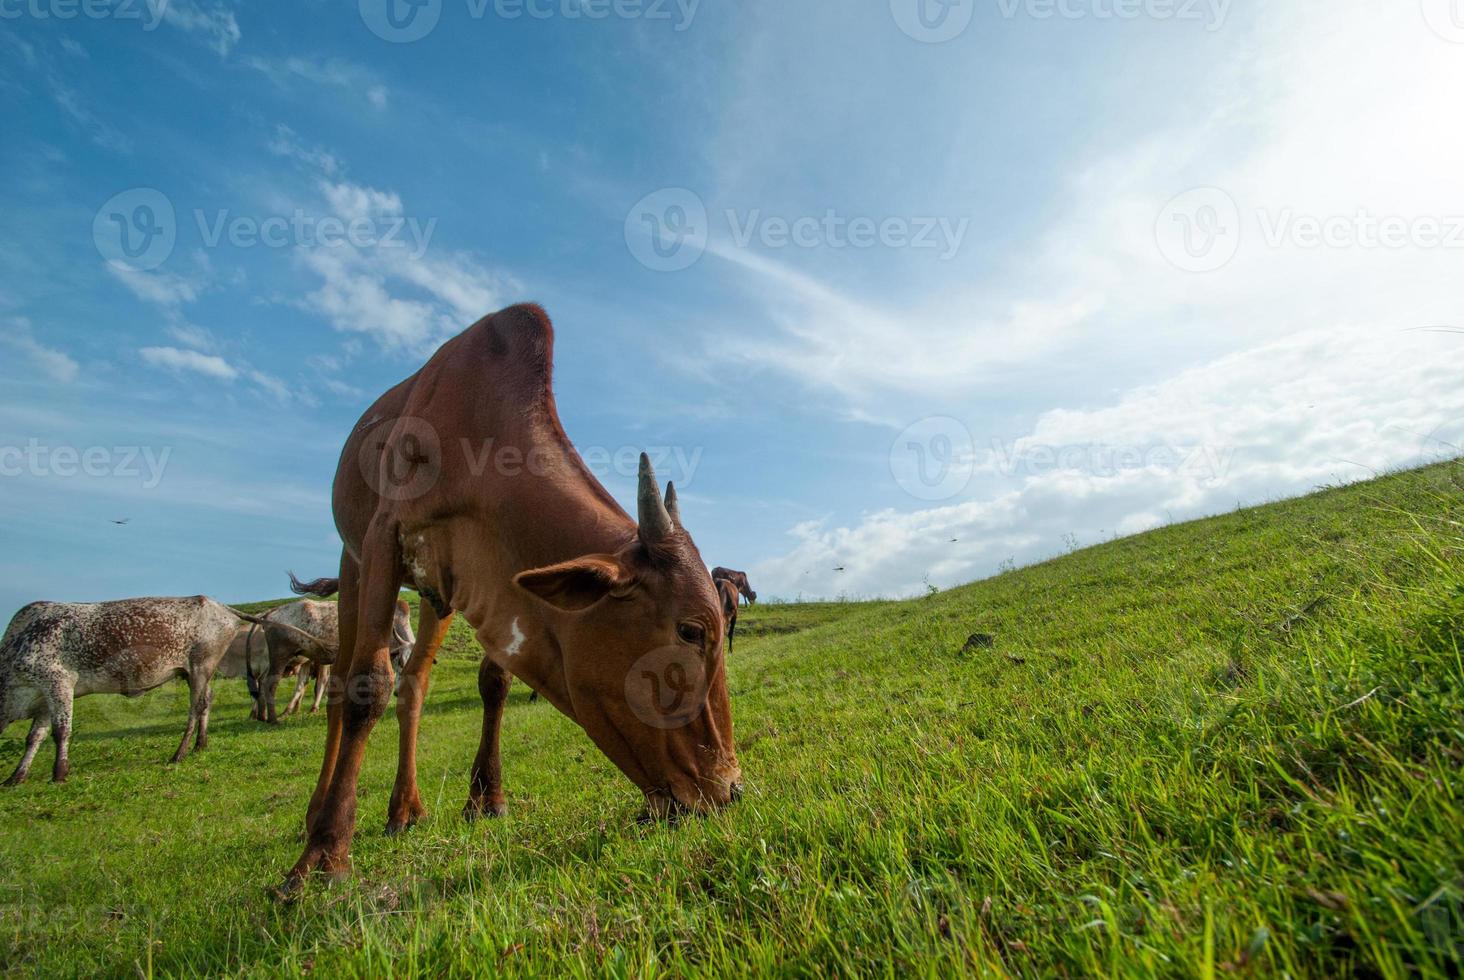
(1231, 746)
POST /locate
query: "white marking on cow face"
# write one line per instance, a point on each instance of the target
(512, 650)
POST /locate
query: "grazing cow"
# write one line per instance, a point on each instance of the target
(266, 664)
(54, 652)
(738, 579)
(728, 592)
(462, 482)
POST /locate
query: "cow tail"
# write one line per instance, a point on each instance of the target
(321, 588)
(249, 677)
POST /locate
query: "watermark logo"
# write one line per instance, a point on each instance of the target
(144, 464)
(667, 688)
(667, 230)
(1205, 464)
(933, 21)
(402, 461)
(1445, 18)
(1212, 13)
(149, 12)
(934, 458)
(401, 21)
(136, 228)
(1199, 230)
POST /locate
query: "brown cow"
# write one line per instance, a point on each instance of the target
(462, 482)
(265, 664)
(739, 579)
(54, 652)
(728, 592)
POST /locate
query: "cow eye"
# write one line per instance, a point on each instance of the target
(691, 633)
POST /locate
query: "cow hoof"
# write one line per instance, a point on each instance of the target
(288, 891)
(474, 812)
(15, 780)
(395, 827)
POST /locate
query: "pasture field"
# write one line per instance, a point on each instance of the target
(1228, 747)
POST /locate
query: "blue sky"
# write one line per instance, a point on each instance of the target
(911, 292)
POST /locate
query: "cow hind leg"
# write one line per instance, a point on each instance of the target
(302, 681)
(60, 706)
(39, 726)
(406, 808)
(485, 787)
(192, 726)
(322, 682)
(205, 700)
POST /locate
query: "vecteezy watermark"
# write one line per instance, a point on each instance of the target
(933, 458)
(938, 21)
(1211, 13)
(406, 460)
(1205, 463)
(933, 21)
(667, 688)
(36, 459)
(404, 21)
(1201, 230)
(139, 228)
(669, 230)
(1359, 230)
(1445, 18)
(148, 13)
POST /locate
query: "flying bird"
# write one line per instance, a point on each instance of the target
(122, 521)
(839, 569)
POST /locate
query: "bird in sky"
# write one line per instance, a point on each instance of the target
(122, 521)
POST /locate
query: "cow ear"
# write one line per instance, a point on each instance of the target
(575, 585)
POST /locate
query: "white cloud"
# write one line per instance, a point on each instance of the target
(1321, 111)
(1280, 419)
(214, 23)
(315, 72)
(286, 143)
(166, 289)
(58, 365)
(177, 359)
(361, 287)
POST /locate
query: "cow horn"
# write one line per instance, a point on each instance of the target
(655, 522)
(671, 505)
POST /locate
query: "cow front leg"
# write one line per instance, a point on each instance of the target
(61, 731)
(348, 602)
(485, 786)
(364, 696)
(406, 808)
(39, 726)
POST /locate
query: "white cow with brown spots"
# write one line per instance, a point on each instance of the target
(55, 652)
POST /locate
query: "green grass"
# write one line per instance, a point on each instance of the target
(1226, 747)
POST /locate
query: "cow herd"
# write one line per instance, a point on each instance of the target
(612, 619)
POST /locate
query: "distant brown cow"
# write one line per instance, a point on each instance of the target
(266, 664)
(54, 652)
(605, 616)
(738, 579)
(728, 592)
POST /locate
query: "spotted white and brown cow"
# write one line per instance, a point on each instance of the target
(55, 652)
(266, 661)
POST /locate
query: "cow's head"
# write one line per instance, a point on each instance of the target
(402, 637)
(640, 639)
(751, 597)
